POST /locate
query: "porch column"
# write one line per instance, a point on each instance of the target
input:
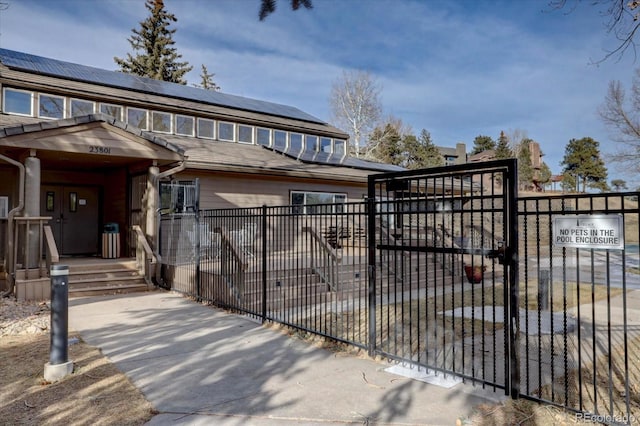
(32, 206)
(151, 207)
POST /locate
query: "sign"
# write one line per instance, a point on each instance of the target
(589, 231)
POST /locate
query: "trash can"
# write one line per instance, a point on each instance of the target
(111, 241)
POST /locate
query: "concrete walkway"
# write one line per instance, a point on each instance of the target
(198, 365)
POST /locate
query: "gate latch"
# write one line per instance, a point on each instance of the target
(499, 253)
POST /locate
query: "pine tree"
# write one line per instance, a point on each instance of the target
(421, 152)
(583, 166)
(482, 143)
(206, 80)
(525, 168)
(544, 175)
(155, 57)
(502, 147)
(387, 142)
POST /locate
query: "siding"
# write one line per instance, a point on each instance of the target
(228, 190)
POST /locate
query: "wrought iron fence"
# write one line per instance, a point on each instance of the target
(579, 306)
(403, 284)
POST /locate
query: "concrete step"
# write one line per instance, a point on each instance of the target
(105, 277)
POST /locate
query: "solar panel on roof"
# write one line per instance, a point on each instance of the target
(53, 67)
(336, 160)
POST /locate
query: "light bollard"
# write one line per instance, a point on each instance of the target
(59, 365)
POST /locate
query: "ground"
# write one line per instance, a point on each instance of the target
(97, 393)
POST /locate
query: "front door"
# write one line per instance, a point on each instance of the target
(74, 211)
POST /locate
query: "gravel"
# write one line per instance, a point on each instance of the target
(20, 318)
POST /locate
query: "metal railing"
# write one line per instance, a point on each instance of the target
(574, 311)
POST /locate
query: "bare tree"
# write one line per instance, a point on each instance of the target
(622, 19)
(355, 106)
(622, 117)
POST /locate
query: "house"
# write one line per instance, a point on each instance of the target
(457, 155)
(83, 149)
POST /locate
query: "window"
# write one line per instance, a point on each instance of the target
(138, 117)
(205, 128)
(17, 102)
(184, 125)
(280, 140)
(264, 136)
(50, 106)
(312, 143)
(226, 131)
(295, 142)
(81, 107)
(73, 202)
(161, 122)
(245, 133)
(339, 147)
(317, 202)
(325, 144)
(113, 110)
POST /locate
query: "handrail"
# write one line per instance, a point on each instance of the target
(144, 255)
(236, 251)
(330, 260)
(330, 251)
(32, 257)
(51, 250)
(235, 277)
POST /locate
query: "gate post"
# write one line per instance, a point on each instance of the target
(371, 271)
(514, 290)
(264, 263)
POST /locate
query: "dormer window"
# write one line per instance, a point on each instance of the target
(50, 106)
(114, 111)
(17, 102)
(226, 131)
(264, 136)
(80, 107)
(206, 128)
(138, 117)
(245, 133)
(161, 122)
(184, 125)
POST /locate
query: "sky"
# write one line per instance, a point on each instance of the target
(457, 69)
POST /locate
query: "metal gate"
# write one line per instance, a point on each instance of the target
(179, 231)
(443, 261)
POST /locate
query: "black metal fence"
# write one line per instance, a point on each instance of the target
(303, 266)
(445, 270)
(442, 286)
(580, 306)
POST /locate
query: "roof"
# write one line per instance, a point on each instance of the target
(204, 154)
(36, 126)
(67, 70)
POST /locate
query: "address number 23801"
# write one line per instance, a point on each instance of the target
(99, 149)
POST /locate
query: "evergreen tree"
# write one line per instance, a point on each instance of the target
(387, 141)
(155, 57)
(420, 152)
(544, 175)
(583, 165)
(502, 147)
(482, 143)
(525, 168)
(206, 80)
